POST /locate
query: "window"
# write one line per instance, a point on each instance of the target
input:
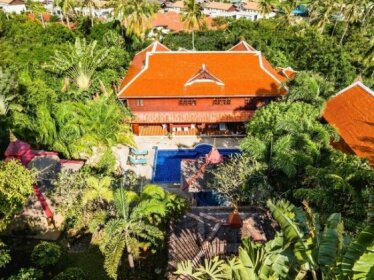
(139, 102)
(187, 101)
(221, 101)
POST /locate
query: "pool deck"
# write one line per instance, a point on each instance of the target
(164, 142)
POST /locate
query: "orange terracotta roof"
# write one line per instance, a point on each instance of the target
(351, 112)
(250, 5)
(219, 6)
(287, 72)
(192, 117)
(172, 21)
(242, 46)
(166, 74)
(138, 62)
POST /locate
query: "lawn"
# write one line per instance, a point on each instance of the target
(90, 260)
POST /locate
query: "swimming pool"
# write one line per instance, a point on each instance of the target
(167, 163)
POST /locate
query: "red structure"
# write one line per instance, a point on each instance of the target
(193, 92)
(351, 112)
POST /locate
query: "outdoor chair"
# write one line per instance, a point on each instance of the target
(139, 152)
(137, 161)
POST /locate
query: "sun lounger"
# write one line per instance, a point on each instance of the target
(139, 152)
(137, 161)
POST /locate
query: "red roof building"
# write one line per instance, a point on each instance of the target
(351, 112)
(198, 92)
(172, 22)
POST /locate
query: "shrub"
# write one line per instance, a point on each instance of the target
(27, 274)
(46, 254)
(71, 273)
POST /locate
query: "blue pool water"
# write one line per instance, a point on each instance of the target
(167, 165)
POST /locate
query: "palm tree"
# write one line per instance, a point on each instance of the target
(193, 17)
(266, 6)
(135, 15)
(99, 122)
(91, 5)
(79, 62)
(66, 7)
(322, 12)
(353, 11)
(130, 230)
(97, 189)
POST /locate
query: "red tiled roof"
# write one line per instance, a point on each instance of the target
(166, 73)
(219, 6)
(242, 46)
(192, 117)
(172, 21)
(138, 62)
(351, 112)
(250, 5)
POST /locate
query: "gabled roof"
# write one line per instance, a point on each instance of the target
(12, 2)
(287, 72)
(351, 112)
(138, 62)
(242, 46)
(204, 76)
(163, 74)
(250, 5)
(219, 6)
(172, 21)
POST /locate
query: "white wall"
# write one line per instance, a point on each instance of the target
(13, 8)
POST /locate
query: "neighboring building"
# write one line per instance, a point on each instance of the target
(219, 9)
(351, 112)
(235, 9)
(166, 22)
(12, 6)
(192, 92)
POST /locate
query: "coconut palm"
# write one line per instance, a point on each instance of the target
(321, 12)
(266, 6)
(135, 15)
(130, 230)
(91, 5)
(96, 123)
(98, 189)
(79, 61)
(66, 7)
(354, 12)
(193, 17)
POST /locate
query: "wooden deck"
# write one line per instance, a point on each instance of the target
(157, 130)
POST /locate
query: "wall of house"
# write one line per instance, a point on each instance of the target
(202, 104)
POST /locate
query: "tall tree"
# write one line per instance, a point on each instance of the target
(130, 230)
(135, 15)
(91, 5)
(354, 11)
(266, 6)
(193, 17)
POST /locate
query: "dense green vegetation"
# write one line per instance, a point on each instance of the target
(57, 91)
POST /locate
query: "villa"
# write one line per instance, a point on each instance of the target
(235, 9)
(351, 112)
(198, 92)
(12, 6)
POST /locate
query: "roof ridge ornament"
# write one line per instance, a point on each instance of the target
(203, 76)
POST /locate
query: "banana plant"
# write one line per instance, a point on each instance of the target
(358, 261)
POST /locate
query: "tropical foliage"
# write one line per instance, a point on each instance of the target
(46, 254)
(16, 185)
(301, 249)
